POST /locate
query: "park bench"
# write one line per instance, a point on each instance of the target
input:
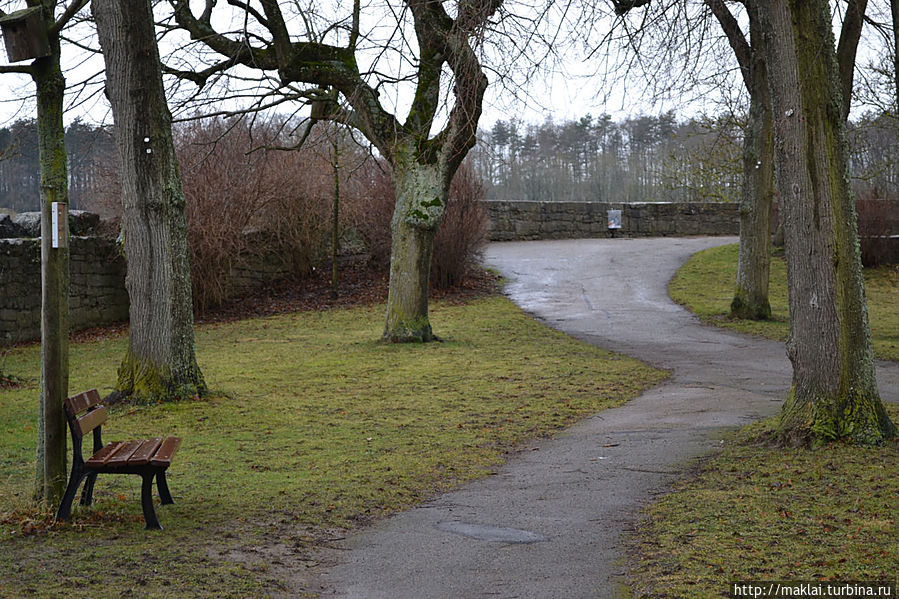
(147, 458)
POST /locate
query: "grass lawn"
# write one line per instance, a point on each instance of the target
(313, 428)
(705, 286)
(758, 514)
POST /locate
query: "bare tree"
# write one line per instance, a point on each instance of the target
(160, 363)
(442, 49)
(753, 266)
(834, 392)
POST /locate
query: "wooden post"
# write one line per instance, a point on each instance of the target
(51, 452)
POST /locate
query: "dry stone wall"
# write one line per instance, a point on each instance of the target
(527, 220)
(97, 293)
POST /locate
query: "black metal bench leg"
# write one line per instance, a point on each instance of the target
(87, 493)
(163, 486)
(65, 506)
(146, 502)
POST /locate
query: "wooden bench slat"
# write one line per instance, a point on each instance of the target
(164, 455)
(120, 458)
(101, 457)
(81, 402)
(147, 449)
(91, 420)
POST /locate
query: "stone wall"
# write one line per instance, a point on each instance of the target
(97, 293)
(571, 220)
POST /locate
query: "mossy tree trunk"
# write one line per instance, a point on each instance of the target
(834, 392)
(51, 453)
(160, 363)
(421, 194)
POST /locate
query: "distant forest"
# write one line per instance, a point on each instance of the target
(652, 159)
(92, 160)
(643, 158)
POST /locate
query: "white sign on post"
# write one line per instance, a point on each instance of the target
(59, 225)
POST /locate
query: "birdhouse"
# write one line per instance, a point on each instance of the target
(25, 34)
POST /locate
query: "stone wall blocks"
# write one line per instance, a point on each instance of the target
(521, 220)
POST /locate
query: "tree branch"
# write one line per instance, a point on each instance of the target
(276, 26)
(12, 68)
(251, 11)
(201, 30)
(625, 6)
(847, 48)
(199, 77)
(453, 41)
(64, 19)
(354, 30)
(735, 37)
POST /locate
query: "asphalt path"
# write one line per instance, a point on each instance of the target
(548, 524)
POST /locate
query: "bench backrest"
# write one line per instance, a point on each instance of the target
(94, 415)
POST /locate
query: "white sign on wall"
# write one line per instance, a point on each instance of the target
(614, 219)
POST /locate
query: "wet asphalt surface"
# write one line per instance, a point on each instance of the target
(548, 524)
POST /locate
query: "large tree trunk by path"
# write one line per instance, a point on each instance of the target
(160, 363)
(51, 450)
(751, 294)
(834, 392)
(421, 195)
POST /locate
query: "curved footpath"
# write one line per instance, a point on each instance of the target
(548, 524)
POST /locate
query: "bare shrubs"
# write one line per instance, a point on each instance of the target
(459, 239)
(372, 213)
(256, 214)
(222, 186)
(295, 212)
(463, 233)
(250, 209)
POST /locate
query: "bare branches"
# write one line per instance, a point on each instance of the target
(440, 41)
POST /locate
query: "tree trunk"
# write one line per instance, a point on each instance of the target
(335, 214)
(751, 295)
(894, 10)
(160, 363)
(421, 194)
(834, 392)
(51, 450)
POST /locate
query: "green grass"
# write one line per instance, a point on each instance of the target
(705, 286)
(756, 513)
(313, 427)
